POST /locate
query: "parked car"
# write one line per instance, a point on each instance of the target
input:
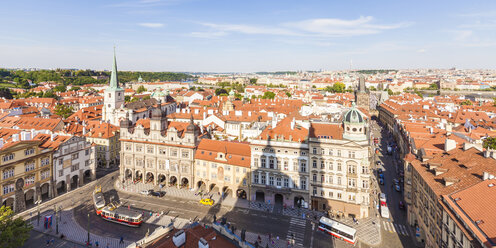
(395, 181)
(379, 171)
(397, 187)
(401, 205)
(381, 176)
(146, 192)
(207, 202)
(158, 193)
(381, 181)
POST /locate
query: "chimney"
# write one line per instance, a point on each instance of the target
(84, 130)
(15, 137)
(249, 113)
(204, 115)
(179, 238)
(449, 129)
(293, 124)
(449, 145)
(1, 143)
(431, 130)
(52, 136)
(202, 243)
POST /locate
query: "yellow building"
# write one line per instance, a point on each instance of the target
(26, 169)
(105, 136)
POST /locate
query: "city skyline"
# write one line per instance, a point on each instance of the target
(220, 36)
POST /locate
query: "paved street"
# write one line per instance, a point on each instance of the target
(180, 204)
(395, 230)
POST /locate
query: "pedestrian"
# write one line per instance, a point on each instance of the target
(108, 246)
(122, 240)
(47, 242)
(96, 243)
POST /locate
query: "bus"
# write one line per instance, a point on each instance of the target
(98, 200)
(384, 207)
(117, 213)
(338, 230)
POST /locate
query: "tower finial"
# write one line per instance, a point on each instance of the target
(114, 82)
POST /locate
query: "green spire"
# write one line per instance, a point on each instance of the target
(114, 82)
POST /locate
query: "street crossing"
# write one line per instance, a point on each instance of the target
(297, 227)
(395, 228)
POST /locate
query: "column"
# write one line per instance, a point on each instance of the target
(266, 178)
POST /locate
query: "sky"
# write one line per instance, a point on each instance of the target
(248, 36)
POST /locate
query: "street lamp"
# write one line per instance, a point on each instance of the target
(88, 228)
(56, 220)
(38, 204)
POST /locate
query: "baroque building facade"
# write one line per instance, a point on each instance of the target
(340, 157)
(158, 151)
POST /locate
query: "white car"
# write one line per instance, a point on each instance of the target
(145, 192)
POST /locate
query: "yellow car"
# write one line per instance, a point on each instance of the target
(207, 202)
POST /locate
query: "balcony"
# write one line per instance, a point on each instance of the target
(278, 189)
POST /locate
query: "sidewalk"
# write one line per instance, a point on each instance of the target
(71, 230)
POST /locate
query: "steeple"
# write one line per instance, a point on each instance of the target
(114, 82)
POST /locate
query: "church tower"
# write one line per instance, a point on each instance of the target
(362, 97)
(113, 97)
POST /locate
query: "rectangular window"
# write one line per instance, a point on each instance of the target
(314, 177)
(87, 163)
(295, 166)
(45, 174)
(262, 162)
(271, 180)
(213, 175)
(351, 182)
(339, 166)
(351, 154)
(303, 166)
(278, 182)
(174, 152)
(271, 163)
(322, 164)
(185, 154)
(214, 165)
(149, 163)
(8, 173)
(75, 156)
(286, 182)
(331, 194)
(255, 178)
(139, 148)
(29, 152)
(263, 181)
(314, 150)
(29, 166)
(8, 157)
(8, 188)
(228, 168)
(161, 164)
(87, 152)
(314, 164)
(28, 181)
(286, 166)
(339, 180)
(303, 183)
(75, 167)
(45, 161)
(339, 153)
(227, 179)
(61, 173)
(255, 162)
(162, 151)
(149, 149)
(365, 184)
(340, 195)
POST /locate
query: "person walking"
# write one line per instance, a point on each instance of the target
(122, 240)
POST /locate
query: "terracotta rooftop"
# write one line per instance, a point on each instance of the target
(235, 153)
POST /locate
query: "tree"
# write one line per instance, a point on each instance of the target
(4, 92)
(63, 110)
(219, 91)
(13, 232)
(269, 95)
(489, 143)
(49, 94)
(141, 89)
(466, 102)
(390, 92)
(288, 94)
(75, 88)
(127, 98)
(433, 86)
(253, 80)
(60, 88)
(372, 88)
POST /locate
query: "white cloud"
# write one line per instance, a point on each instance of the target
(421, 50)
(340, 27)
(151, 25)
(326, 27)
(211, 35)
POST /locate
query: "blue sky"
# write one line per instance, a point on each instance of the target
(247, 36)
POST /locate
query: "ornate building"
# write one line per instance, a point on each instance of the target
(115, 109)
(340, 166)
(158, 151)
(362, 96)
